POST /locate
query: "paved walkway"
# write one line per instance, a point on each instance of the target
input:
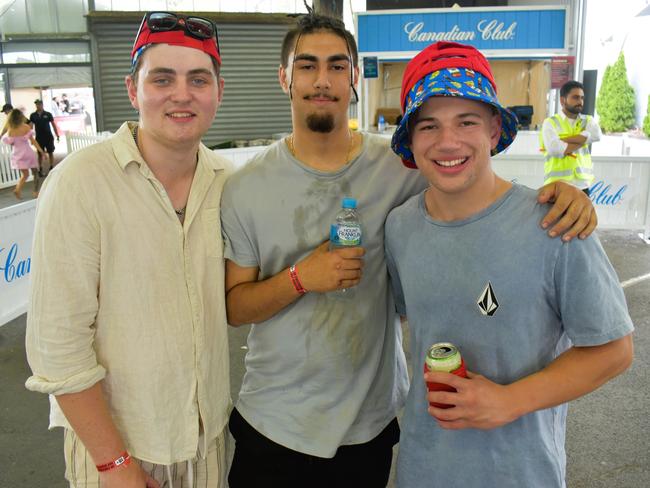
(7, 197)
(607, 435)
(607, 438)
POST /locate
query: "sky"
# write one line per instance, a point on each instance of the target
(612, 26)
(607, 27)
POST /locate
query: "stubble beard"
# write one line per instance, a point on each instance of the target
(572, 109)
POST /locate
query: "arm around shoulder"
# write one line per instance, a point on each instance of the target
(572, 214)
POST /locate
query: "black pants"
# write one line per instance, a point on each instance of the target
(260, 462)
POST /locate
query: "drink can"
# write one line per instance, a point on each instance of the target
(445, 357)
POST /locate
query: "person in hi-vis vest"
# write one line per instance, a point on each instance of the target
(565, 140)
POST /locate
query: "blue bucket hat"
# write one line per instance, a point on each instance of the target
(448, 69)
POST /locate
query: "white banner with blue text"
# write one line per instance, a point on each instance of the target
(16, 233)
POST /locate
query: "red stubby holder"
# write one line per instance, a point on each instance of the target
(461, 371)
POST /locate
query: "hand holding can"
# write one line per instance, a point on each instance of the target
(445, 357)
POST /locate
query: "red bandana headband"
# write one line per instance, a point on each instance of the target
(174, 38)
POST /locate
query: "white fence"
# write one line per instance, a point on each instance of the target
(240, 155)
(621, 195)
(8, 176)
(620, 192)
(77, 140)
(527, 143)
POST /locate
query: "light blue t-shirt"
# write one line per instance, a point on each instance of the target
(512, 300)
(324, 371)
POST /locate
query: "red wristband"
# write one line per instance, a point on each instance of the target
(123, 460)
(295, 280)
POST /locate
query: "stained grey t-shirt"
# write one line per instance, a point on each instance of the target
(512, 300)
(325, 371)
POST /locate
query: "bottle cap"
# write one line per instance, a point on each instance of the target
(349, 203)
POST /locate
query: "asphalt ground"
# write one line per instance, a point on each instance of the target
(608, 441)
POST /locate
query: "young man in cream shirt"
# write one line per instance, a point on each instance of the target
(127, 325)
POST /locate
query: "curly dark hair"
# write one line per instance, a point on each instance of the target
(310, 23)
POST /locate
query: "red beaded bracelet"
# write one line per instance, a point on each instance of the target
(123, 460)
(295, 280)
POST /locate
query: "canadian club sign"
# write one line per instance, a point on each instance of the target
(535, 31)
(486, 30)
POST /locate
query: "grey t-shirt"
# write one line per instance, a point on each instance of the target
(324, 371)
(543, 296)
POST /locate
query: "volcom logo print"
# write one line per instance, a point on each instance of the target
(487, 302)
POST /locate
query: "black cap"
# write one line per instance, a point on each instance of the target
(38, 100)
(7, 107)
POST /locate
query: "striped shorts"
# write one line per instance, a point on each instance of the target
(208, 472)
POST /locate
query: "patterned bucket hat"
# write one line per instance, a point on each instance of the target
(448, 69)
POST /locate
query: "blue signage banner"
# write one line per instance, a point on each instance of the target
(501, 29)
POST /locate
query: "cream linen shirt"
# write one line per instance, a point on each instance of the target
(122, 292)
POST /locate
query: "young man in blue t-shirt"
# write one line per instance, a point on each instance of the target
(538, 322)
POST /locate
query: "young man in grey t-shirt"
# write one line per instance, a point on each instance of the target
(325, 377)
(538, 322)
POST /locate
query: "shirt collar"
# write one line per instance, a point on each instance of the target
(572, 121)
(126, 151)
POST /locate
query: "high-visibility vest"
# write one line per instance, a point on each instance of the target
(567, 168)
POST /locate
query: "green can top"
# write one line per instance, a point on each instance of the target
(443, 356)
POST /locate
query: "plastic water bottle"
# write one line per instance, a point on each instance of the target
(381, 124)
(346, 231)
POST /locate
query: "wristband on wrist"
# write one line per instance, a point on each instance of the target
(295, 280)
(123, 460)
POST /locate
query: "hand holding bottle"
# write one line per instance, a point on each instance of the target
(324, 270)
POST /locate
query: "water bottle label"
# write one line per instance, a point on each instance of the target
(346, 235)
(334, 237)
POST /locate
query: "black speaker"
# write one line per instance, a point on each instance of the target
(589, 78)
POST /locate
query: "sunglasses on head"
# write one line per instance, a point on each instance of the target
(197, 27)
